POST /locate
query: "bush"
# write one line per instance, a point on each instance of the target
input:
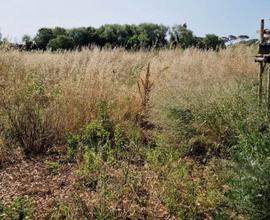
(219, 129)
(99, 136)
(52, 166)
(90, 169)
(24, 118)
(60, 211)
(94, 136)
(251, 183)
(72, 142)
(232, 128)
(21, 208)
(242, 129)
(61, 42)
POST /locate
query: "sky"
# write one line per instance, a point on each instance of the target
(221, 17)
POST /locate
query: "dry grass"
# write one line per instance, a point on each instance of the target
(74, 82)
(44, 96)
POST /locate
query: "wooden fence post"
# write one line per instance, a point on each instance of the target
(260, 78)
(262, 31)
(260, 75)
(268, 91)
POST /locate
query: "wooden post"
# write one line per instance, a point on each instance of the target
(268, 93)
(260, 78)
(262, 31)
(260, 75)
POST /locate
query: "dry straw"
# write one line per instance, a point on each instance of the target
(73, 83)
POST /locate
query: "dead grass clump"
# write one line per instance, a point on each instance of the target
(145, 87)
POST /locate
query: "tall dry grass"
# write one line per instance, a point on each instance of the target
(66, 88)
(203, 101)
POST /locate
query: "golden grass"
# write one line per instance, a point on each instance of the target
(53, 94)
(75, 82)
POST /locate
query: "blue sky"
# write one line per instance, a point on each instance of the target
(222, 17)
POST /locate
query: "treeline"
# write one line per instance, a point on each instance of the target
(131, 37)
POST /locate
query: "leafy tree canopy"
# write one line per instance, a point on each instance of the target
(212, 41)
(145, 35)
(61, 42)
(182, 36)
(43, 37)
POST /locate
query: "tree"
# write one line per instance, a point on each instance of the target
(43, 37)
(145, 35)
(27, 41)
(133, 43)
(82, 36)
(243, 37)
(199, 42)
(110, 35)
(61, 42)
(232, 37)
(58, 31)
(144, 41)
(213, 42)
(153, 35)
(180, 35)
(125, 33)
(130, 36)
(93, 38)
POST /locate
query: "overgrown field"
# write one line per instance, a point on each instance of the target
(110, 134)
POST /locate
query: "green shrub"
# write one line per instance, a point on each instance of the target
(90, 169)
(61, 42)
(72, 142)
(58, 212)
(120, 140)
(242, 130)
(103, 116)
(99, 135)
(182, 121)
(92, 160)
(251, 183)
(94, 136)
(52, 166)
(21, 208)
(233, 128)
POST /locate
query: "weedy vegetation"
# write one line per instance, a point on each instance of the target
(168, 134)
